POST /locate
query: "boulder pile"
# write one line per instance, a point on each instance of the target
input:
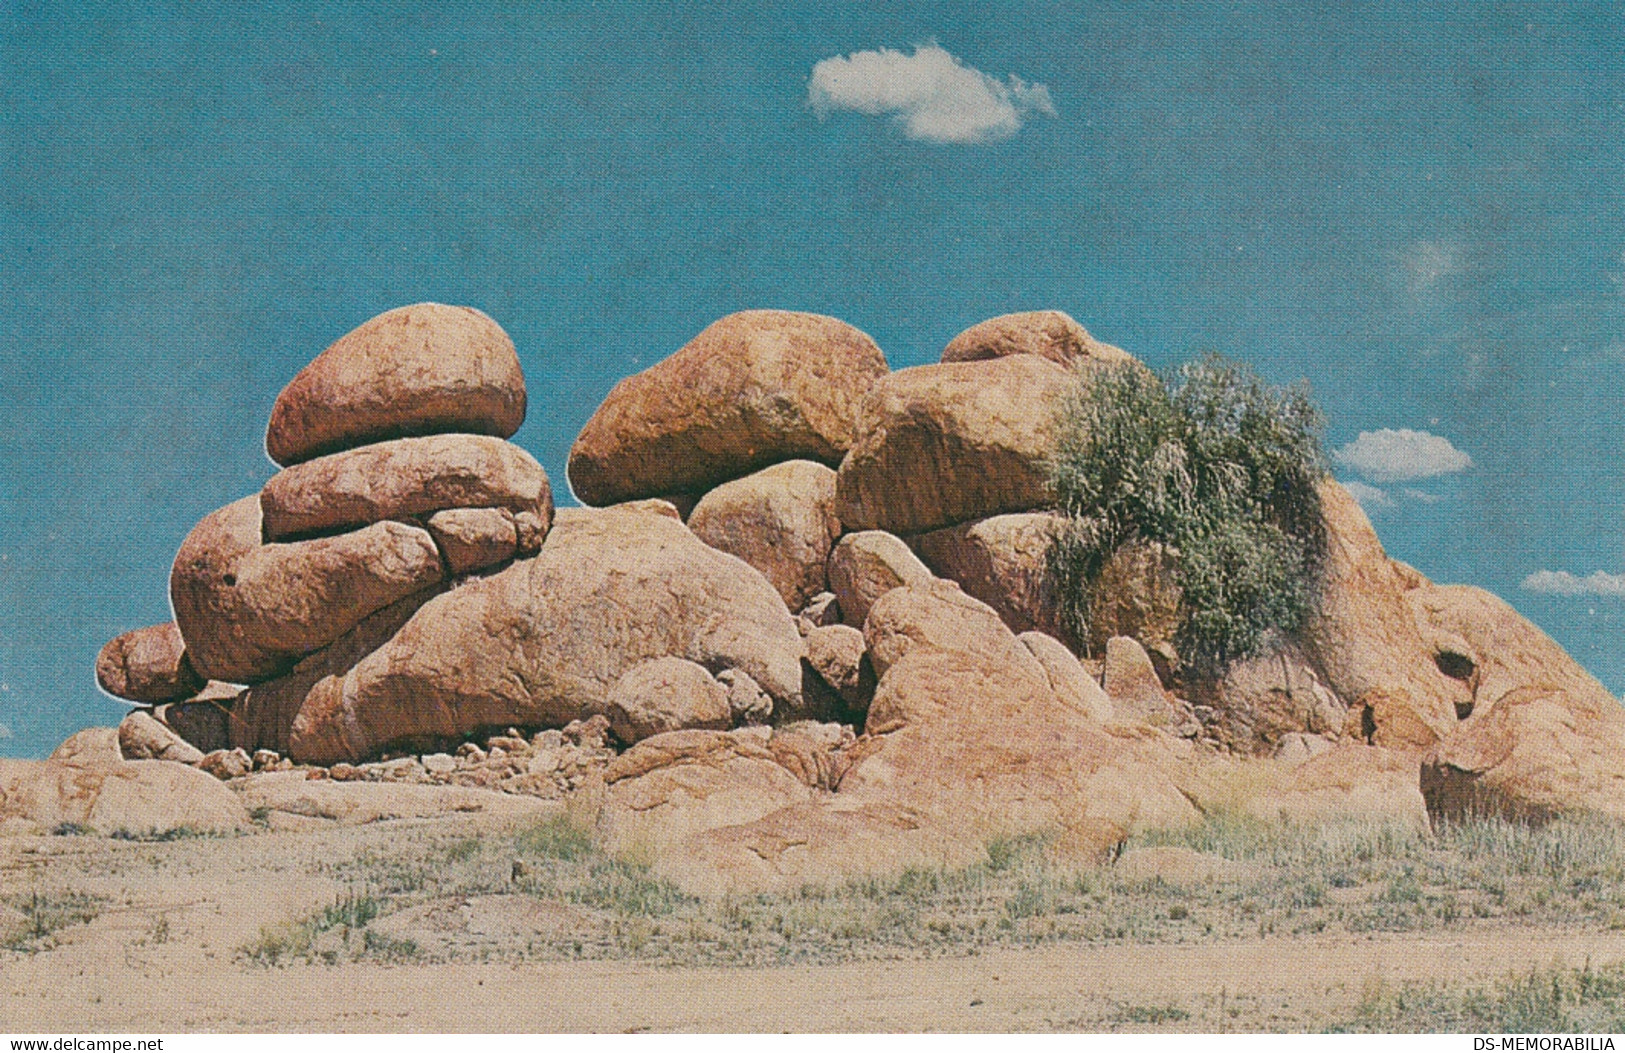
(808, 627)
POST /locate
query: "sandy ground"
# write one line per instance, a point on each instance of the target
(124, 971)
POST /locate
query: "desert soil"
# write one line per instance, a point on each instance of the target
(164, 954)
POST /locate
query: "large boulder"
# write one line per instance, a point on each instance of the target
(666, 694)
(415, 370)
(938, 615)
(1048, 334)
(780, 520)
(543, 641)
(250, 610)
(949, 443)
(752, 389)
(1004, 562)
(1257, 703)
(474, 538)
(400, 479)
(1365, 642)
(865, 566)
(147, 665)
(838, 654)
(1540, 736)
(88, 783)
(294, 793)
(1130, 680)
(1068, 678)
(141, 736)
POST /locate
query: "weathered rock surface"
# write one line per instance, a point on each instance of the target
(950, 443)
(250, 610)
(781, 520)
(865, 566)
(937, 615)
(1131, 682)
(400, 479)
(543, 641)
(1071, 683)
(203, 722)
(147, 665)
(752, 389)
(142, 737)
(471, 539)
(666, 694)
(820, 611)
(1365, 642)
(263, 716)
(415, 370)
(88, 783)
(837, 654)
(357, 803)
(1054, 335)
(1350, 781)
(1137, 594)
(1260, 701)
(1002, 561)
(1542, 736)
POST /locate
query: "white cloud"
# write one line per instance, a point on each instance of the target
(1562, 583)
(1370, 497)
(1427, 263)
(933, 95)
(1421, 495)
(1396, 455)
(5, 732)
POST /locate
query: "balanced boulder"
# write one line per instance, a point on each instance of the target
(543, 641)
(415, 370)
(147, 665)
(666, 694)
(1054, 335)
(401, 479)
(949, 443)
(752, 389)
(780, 520)
(250, 610)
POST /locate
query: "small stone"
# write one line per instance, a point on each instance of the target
(821, 611)
(318, 775)
(266, 760)
(439, 763)
(543, 763)
(345, 772)
(551, 739)
(227, 764)
(748, 703)
(508, 744)
(591, 733)
(471, 753)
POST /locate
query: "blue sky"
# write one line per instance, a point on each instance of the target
(1417, 207)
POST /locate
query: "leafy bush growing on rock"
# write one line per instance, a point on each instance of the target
(1216, 465)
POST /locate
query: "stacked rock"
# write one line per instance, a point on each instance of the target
(396, 481)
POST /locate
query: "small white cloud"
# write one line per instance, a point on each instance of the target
(5, 732)
(1370, 497)
(1562, 583)
(1427, 263)
(933, 95)
(1396, 455)
(1421, 495)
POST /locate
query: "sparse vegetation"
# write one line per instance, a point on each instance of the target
(1543, 1001)
(32, 920)
(1215, 465)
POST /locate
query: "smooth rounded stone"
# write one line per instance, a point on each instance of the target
(1054, 335)
(417, 370)
(87, 782)
(147, 665)
(473, 538)
(250, 610)
(937, 615)
(666, 694)
(780, 520)
(950, 443)
(1002, 561)
(865, 566)
(838, 654)
(1259, 702)
(401, 479)
(141, 737)
(542, 641)
(752, 389)
(1131, 682)
(1364, 640)
(1068, 678)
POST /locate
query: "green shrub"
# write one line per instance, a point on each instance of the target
(1215, 465)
